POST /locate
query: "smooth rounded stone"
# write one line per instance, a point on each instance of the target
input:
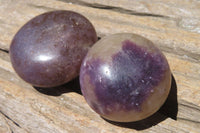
(48, 50)
(125, 78)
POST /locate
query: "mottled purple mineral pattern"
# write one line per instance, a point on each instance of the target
(125, 82)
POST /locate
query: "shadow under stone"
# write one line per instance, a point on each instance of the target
(72, 86)
(168, 110)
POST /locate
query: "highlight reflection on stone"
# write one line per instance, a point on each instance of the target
(124, 77)
(48, 50)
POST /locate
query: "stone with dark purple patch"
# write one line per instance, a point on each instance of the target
(48, 50)
(125, 82)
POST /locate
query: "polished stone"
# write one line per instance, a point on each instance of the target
(48, 50)
(130, 83)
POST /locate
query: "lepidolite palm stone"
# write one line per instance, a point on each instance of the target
(48, 50)
(125, 78)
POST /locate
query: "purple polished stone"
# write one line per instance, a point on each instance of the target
(48, 50)
(125, 81)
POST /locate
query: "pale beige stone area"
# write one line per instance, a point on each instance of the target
(173, 26)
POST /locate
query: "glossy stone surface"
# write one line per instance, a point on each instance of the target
(48, 50)
(124, 78)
